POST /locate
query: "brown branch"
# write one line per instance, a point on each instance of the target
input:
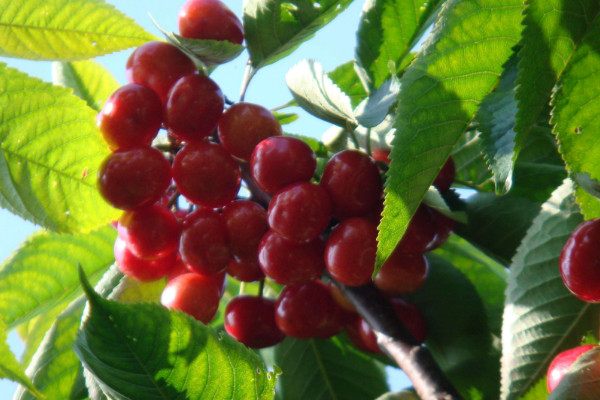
(256, 193)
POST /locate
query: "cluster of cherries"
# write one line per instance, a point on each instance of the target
(310, 230)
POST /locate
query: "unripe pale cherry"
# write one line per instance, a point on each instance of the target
(209, 19)
(562, 362)
(194, 294)
(251, 321)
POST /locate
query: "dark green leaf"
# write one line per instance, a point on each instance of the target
(449, 204)
(582, 382)
(345, 77)
(275, 28)
(10, 367)
(326, 369)
(471, 168)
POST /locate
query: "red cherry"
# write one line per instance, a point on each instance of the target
(244, 125)
(181, 268)
(133, 178)
(350, 251)
(245, 270)
(194, 294)
(381, 155)
(562, 362)
(300, 212)
(209, 19)
(287, 262)
(580, 261)
(150, 232)
(251, 321)
(446, 176)
(402, 273)
(307, 310)
(206, 174)
(279, 161)
(246, 223)
(445, 227)
(352, 330)
(131, 117)
(194, 105)
(140, 269)
(367, 336)
(340, 299)
(353, 182)
(204, 244)
(421, 232)
(158, 65)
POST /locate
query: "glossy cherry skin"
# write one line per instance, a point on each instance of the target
(381, 155)
(340, 299)
(300, 212)
(580, 261)
(158, 65)
(131, 117)
(353, 182)
(194, 294)
(133, 178)
(194, 106)
(562, 362)
(204, 244)
(280, 161)
(251, 321)
(140, 269)
(287, 262)
(209, 19)
(446, 176)
(246, 223)
(245, 269)
(350, 251)
(402, 273)
(206, 174)
(307, 310)
(181, 268)
(353, 332)
(444, 228)
(421, 232)
(244, 125)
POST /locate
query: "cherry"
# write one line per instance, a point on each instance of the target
(194, 294)
(206, 174)
(194, 105)
(353, 182)
(421, 232)
(307, 310)
(181, 268)
(300, 211)
(133, 178)
(279, 161)
(204, 244)
(402, 273)
(209, 19)
(158, 65)
(140, 269)
(251, 321)
(131, 117)
(350, 251)
(562, 362)
(381, 155)
(150, 232)
(580, 261)
(244, 125)
(245, 270)
(287, 262)
(352, 330)
(246, 223)
(445, 227)
(445, 177)
(340, 299)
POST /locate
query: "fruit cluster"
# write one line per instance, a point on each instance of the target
(314, 226)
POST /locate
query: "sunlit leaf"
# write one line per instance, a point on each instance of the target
(10, 367)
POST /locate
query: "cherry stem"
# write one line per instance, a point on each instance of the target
(248, 75)
(173, 199)
(257, 194)
(261, 287)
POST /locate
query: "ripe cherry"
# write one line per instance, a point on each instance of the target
(194, 294)
(209, 19)
(580, 261)
(279, 161)
(140, 269)
(350, 251)
(300, 211)
(246, 223)
(181, 268)
(158, 65)
(562, 362)
(353, 182)
(421, 232)
(131, 117)
(244, 125)
(245, 269)
(446, 176)
(402, 273)
(206, 174)
(133, 178)
(251, 321)
(381, 155)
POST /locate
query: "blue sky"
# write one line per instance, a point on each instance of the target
(331, 46)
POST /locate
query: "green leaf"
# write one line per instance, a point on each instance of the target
(275, 28)
(439, 96)
(65, 30)
(373, 110)
(471, 167)
(388, 30)
(496, 119)
(317, 94)
(538, 391)
(449, 204)
(319, 369)
(541, 316)
(42, 274)
(316, 146)
(285, 118)
(582, 381)
(55, 369)
(498, 223)
(346, 78)
(36, 330)
(589, 205)
(10, 367)
(89, 80)
(50, 150)
(553, 33)
(143, 350)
